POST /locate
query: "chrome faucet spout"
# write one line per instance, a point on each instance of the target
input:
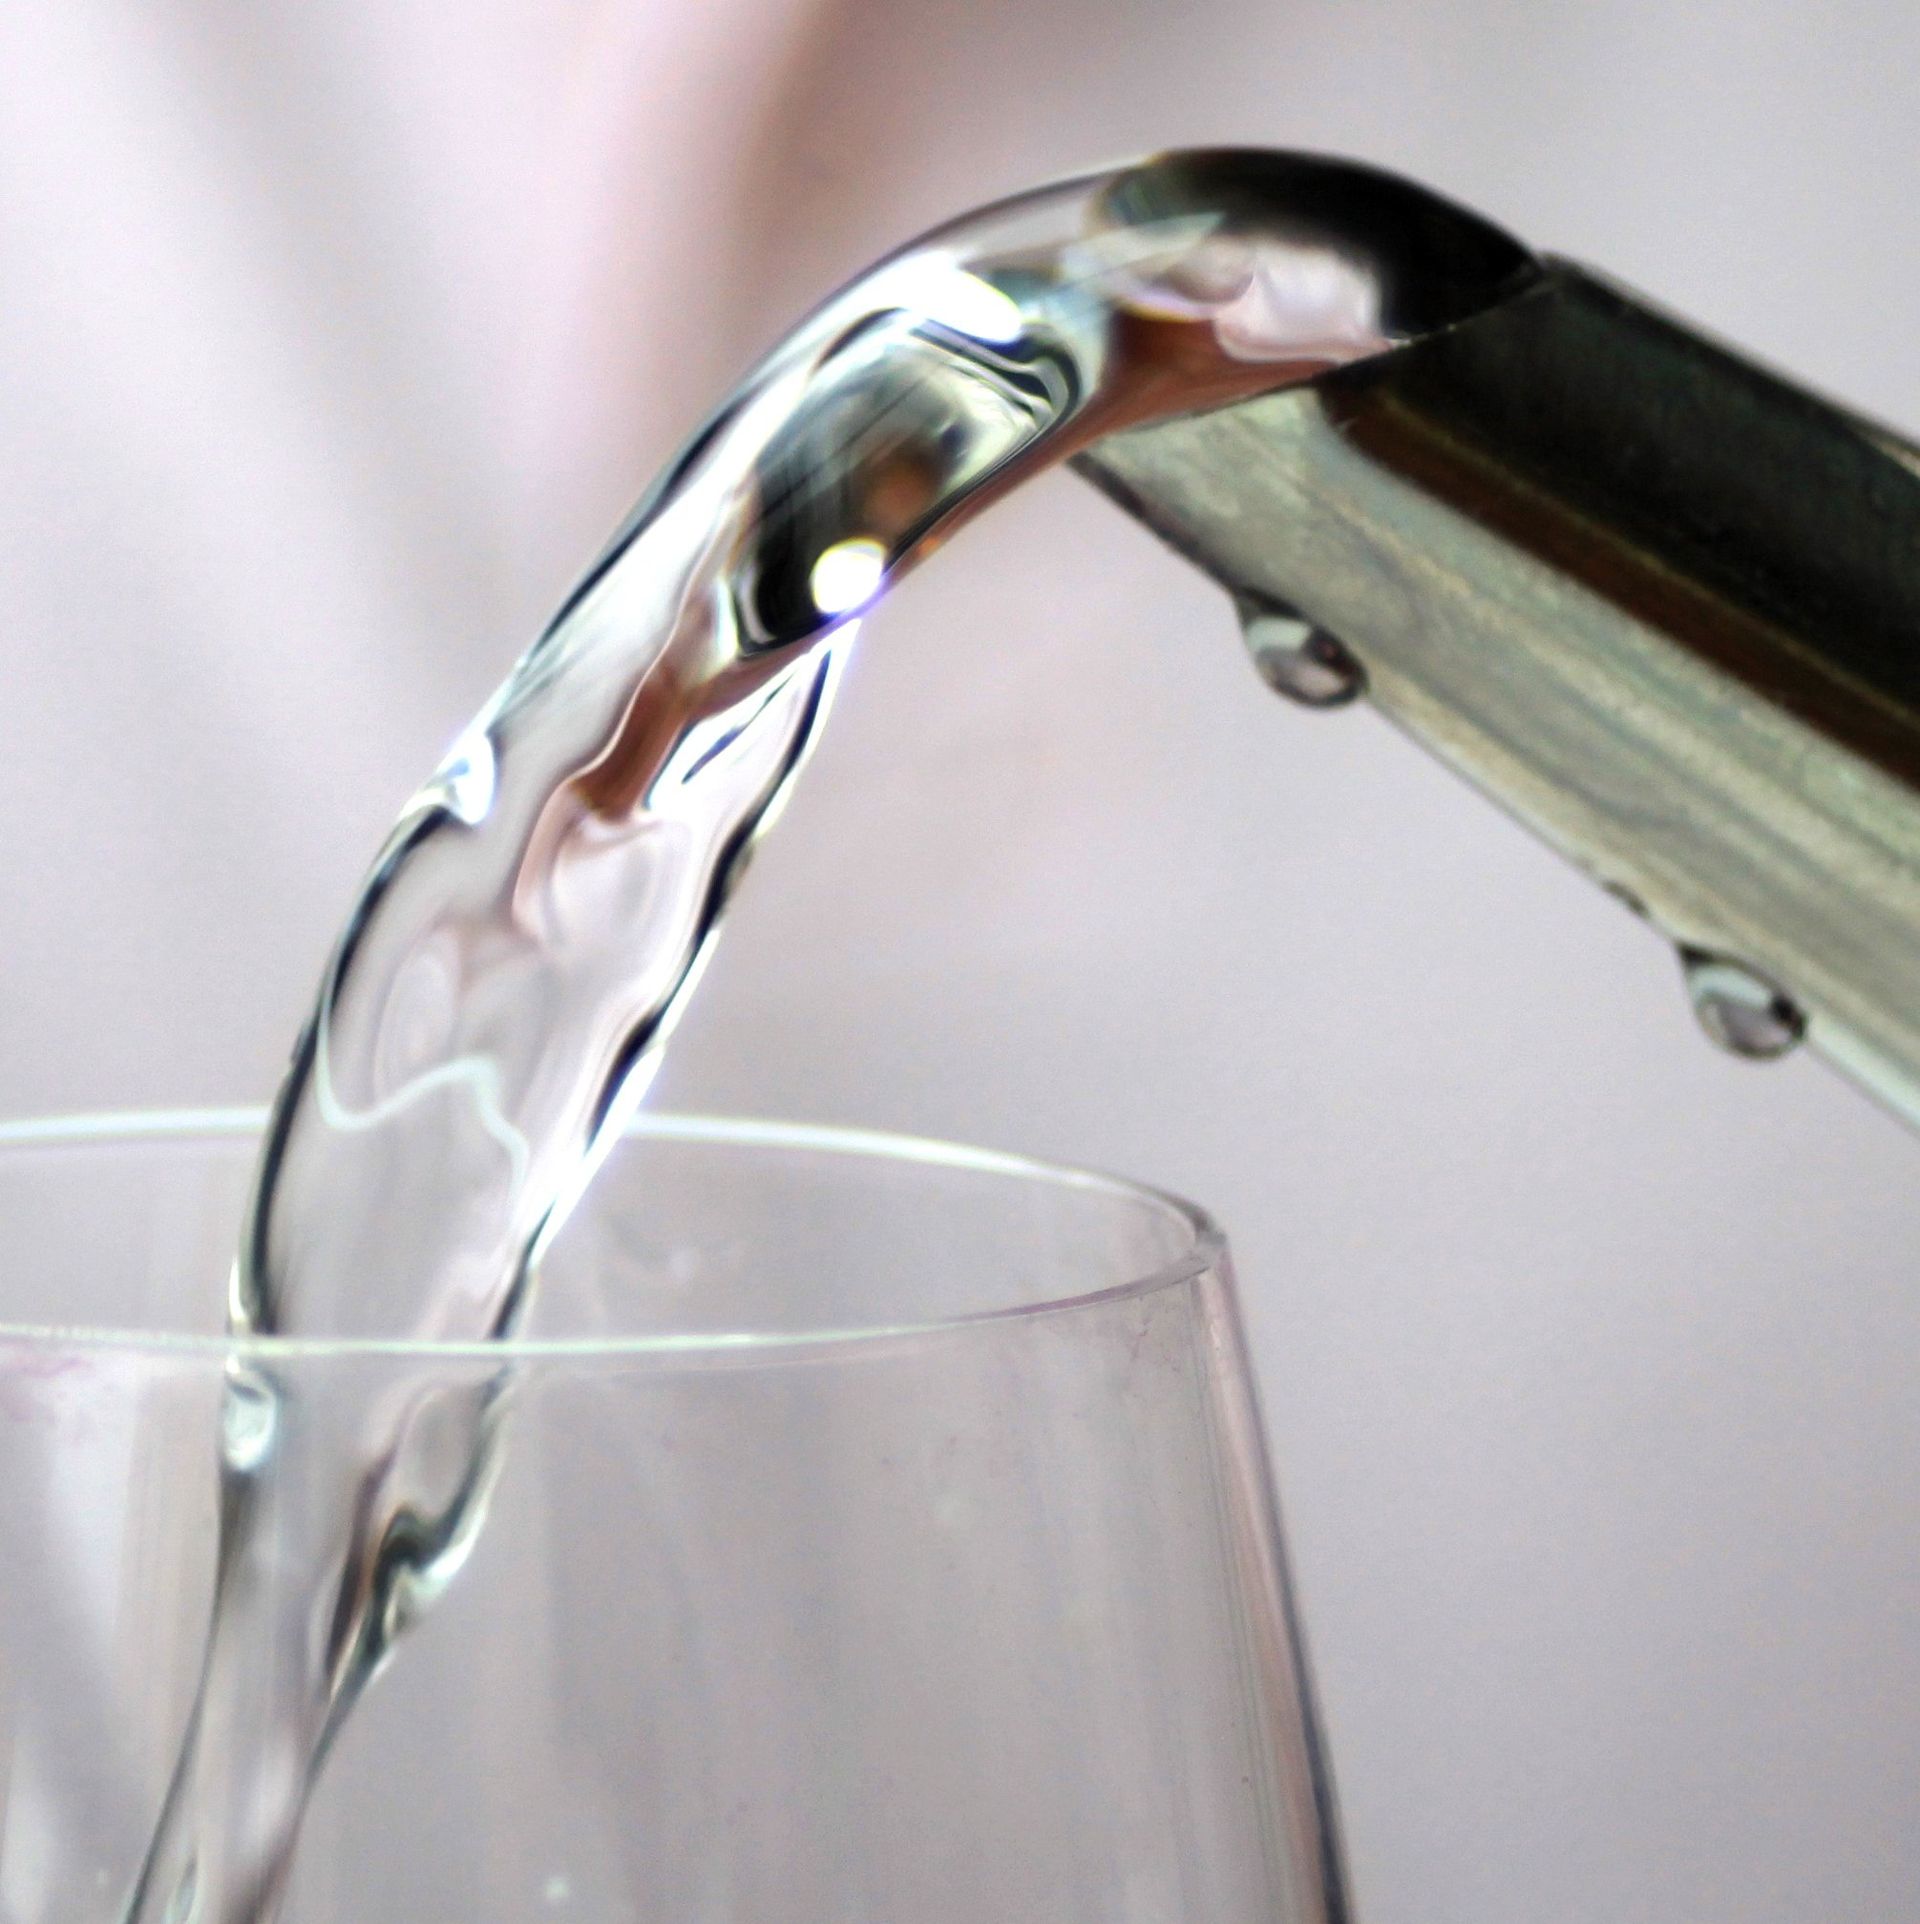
(1658, 602)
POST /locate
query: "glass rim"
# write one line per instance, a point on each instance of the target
(1206, 1246)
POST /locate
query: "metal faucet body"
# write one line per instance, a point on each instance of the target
(1659, 603)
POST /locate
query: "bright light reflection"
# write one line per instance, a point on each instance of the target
(934, 286)
(469, 775)
(847, 575)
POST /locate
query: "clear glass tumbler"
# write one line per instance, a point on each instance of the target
(882, 1535)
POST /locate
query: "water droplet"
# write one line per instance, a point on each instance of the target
(1296, 659)
(1741, 1011)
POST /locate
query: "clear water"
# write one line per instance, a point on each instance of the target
(539, 915)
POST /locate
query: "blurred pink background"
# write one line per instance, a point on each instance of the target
(335, 338)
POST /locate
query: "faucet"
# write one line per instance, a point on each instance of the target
(1660, 603)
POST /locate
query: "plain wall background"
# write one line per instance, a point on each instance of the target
(335, 338)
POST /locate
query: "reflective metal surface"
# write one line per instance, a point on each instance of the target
(1659, 603)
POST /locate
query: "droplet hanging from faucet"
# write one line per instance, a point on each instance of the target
(1740, 1010)
(1295, 658)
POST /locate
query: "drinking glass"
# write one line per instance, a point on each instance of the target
(881, 1535)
